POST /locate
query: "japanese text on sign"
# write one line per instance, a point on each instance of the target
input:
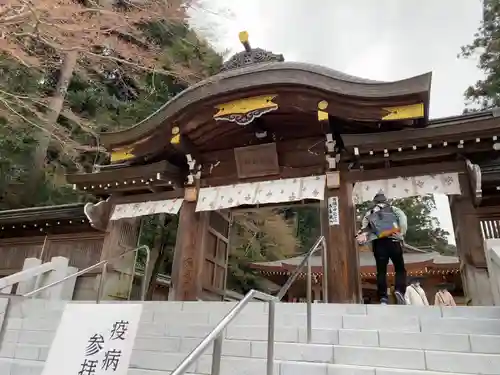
(101, 337)
(96, 344)
(333, 211)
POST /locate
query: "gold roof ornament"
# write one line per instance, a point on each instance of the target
(250, 55)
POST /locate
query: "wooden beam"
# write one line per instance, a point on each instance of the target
(137, 198)
(304, 203)
(423, 152)
(284, 173)
(488, 212)
(42, 214)
(402, 138)
(405, 171)
(140, 171)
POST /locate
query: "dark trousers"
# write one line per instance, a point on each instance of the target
(383, 250)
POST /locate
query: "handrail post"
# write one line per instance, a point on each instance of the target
(270, 336)
(38, 280)
(104, 274)
(144, 278)
(217, 354)
(309, 301)
(298, 269)
(325, 270)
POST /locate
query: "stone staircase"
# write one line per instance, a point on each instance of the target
(346, 339)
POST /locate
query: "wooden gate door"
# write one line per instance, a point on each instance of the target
(216, 246)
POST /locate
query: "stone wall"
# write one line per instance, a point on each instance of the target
(28, 329)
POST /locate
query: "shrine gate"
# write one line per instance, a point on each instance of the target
(264, 131)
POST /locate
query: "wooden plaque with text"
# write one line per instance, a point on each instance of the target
(257, 161)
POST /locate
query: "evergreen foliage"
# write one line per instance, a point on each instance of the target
(95, 102)
(485, 93)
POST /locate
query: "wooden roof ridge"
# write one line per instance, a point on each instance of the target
(58, 212)
(460, 127)
(471, 116)
(267, 75)
(413, 249)
(279, 262)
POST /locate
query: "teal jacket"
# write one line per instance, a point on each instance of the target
(402, 222)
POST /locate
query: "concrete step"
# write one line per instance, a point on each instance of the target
(45, 308)
(320, 357)
(300, 368)
(8, 367)
(297, 368)
(319, 350)
(410, 359)
(40, 331)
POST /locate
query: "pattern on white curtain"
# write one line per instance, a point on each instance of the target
(404, 187)
(277, 191)
(129, 210)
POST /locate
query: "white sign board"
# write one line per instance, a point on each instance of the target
(333, 211)
(94, 340)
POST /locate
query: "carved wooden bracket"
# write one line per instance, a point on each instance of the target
(98, 214)
(194, 170)
(474, 172)
(332, 155)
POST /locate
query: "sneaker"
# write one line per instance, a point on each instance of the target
(400, 298)
(384, 301)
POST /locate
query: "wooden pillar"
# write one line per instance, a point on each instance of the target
(470, 246)
(338, 222)
(121, 235)
(187, 266)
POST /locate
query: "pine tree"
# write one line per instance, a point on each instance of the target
(485, 93)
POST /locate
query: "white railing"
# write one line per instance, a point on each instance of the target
(103, 265)
(34, 274)
(490, 228)
(492, 249)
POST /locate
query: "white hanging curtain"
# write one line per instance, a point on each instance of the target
(277, 191)
(404, 187)
(129, 210)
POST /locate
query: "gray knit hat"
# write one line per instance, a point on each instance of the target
(380, 197)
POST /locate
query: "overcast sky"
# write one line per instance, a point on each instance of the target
(377, 39)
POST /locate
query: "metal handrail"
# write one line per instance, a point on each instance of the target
(217, 336)
(104, 265)
(296, 272)
(320, 243)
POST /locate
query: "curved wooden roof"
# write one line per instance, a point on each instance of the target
(413, 261)
(275, 76)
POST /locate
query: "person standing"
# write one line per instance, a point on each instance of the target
(384, 226)
(443, 297)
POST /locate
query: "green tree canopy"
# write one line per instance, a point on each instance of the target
(485, 93)
(96, 101)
